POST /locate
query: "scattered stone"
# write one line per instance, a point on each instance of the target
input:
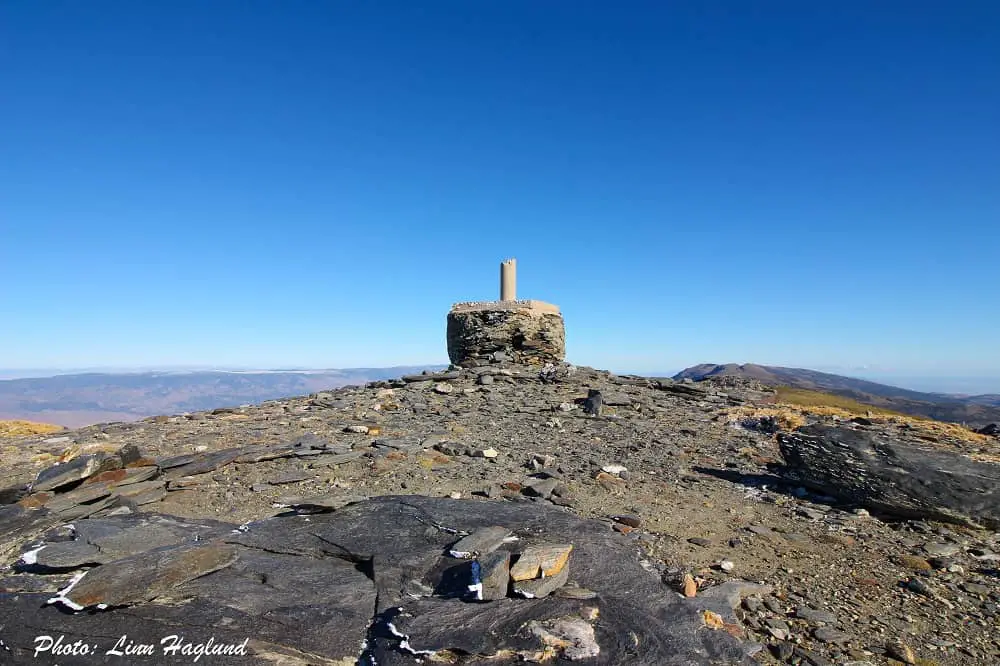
(337, 459)
(538, 588)
(575, 592)
(592, 405)
(481, 542)
(290, 477)
(186, 482)
(540, 487)
(571, 638)
(689, 586)
(628, 519)
(977, 589)
(540, 561)
(486, 453)
(811, 514)
(941, 549)
(920, 587)
(319, 503)
(357, 429)
(815, 616)
(199, 463)
(495, 571)
(77, 469)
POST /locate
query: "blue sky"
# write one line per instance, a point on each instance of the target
(314, 183)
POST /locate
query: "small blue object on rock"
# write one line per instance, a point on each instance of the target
(476, 582)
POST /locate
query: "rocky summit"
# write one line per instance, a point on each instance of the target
(507, 512)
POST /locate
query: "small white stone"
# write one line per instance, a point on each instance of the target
(614, 469)
(726, 565)
(200, 448)
(489, 453)
(455, 495)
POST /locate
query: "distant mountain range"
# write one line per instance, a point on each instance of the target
(76, 400)
(975, 410)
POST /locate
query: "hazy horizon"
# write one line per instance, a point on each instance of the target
(951, 384)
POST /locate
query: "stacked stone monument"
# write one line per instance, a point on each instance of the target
(522, 331)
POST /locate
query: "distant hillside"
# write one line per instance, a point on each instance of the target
(81, 399)
(973, 410)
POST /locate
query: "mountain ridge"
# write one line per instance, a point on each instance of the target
(977, 410)
(75, 400)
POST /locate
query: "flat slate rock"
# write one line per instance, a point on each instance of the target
(870, 470)
(541, 561)
(290, 477)
(318, 503)
(327, 460)
(200, 463)
(542, 587)
(77, 469)
(102, 540)
(337, 588)
(262, 453)
(481, 542)
(145, 576)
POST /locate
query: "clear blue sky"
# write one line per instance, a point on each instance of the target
(314, 183)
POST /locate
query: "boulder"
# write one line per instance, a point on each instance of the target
(869, 469)
(365, 583)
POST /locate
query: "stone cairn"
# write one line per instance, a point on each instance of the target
(521, 331)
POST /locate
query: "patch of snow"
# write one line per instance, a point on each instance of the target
(404, 643)
(242, 529)
(61, 596)
(31, 557)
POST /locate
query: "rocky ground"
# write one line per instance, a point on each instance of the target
(662, 465)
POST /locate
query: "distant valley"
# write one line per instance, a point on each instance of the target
(76, 400)
(975, 410)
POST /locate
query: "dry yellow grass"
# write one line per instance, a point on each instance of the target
(826, 404)
(26, 428)
(793, 415)
(806, 398)
(787, 417)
